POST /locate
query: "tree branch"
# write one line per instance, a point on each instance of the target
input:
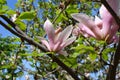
(20, 34)
(26, 38)
(112, 68)
(13, 25)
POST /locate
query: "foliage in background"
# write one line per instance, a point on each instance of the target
(87, 56)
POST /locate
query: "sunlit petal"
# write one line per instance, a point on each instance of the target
(88, 22)
(57, 46)
(86, 30)
(65, 33)
(107, 20)
(45, 42)
(68, 41)
(48, 26)
(98, 22)
(85, 19)
(113, 31)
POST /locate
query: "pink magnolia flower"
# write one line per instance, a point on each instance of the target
(103, 28)
(57, 40)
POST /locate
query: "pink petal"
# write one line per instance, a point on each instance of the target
(113, 31)
(98, 22)
(114, 28)
(45, 42)
(86, 35)
(68, 42)
(76, 31)
(63, 53)
(86, 31)
(57, 46)
(50, 32)
(107, 20)
(85, 19)
(65, 33)
(88, 22)
(114, 4)
(114, 39)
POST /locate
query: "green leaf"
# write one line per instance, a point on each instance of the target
(105, 56)
(84, 49)
(41, 54)
(10, 12)
(61, 17)
(54, 65)
(92, 56)
(72, 9)
(6, 66)
(27, 15)
(34, 54)
(21, 25)
(3, 9)
(106, 52)
(75, 54)
(3, 2)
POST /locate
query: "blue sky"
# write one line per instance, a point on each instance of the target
(4, 32)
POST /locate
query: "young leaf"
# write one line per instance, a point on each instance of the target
(92, 56)
(21, 24)
(27, 15)
(10, 12)
(3, 9)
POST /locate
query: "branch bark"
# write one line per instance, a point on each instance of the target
(112, 68)
(22, 35)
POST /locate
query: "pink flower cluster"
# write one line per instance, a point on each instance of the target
(103, 28)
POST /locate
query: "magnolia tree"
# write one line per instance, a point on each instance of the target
(60, 40)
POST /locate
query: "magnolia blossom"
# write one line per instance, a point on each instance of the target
(57, 39)
(103, 28)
